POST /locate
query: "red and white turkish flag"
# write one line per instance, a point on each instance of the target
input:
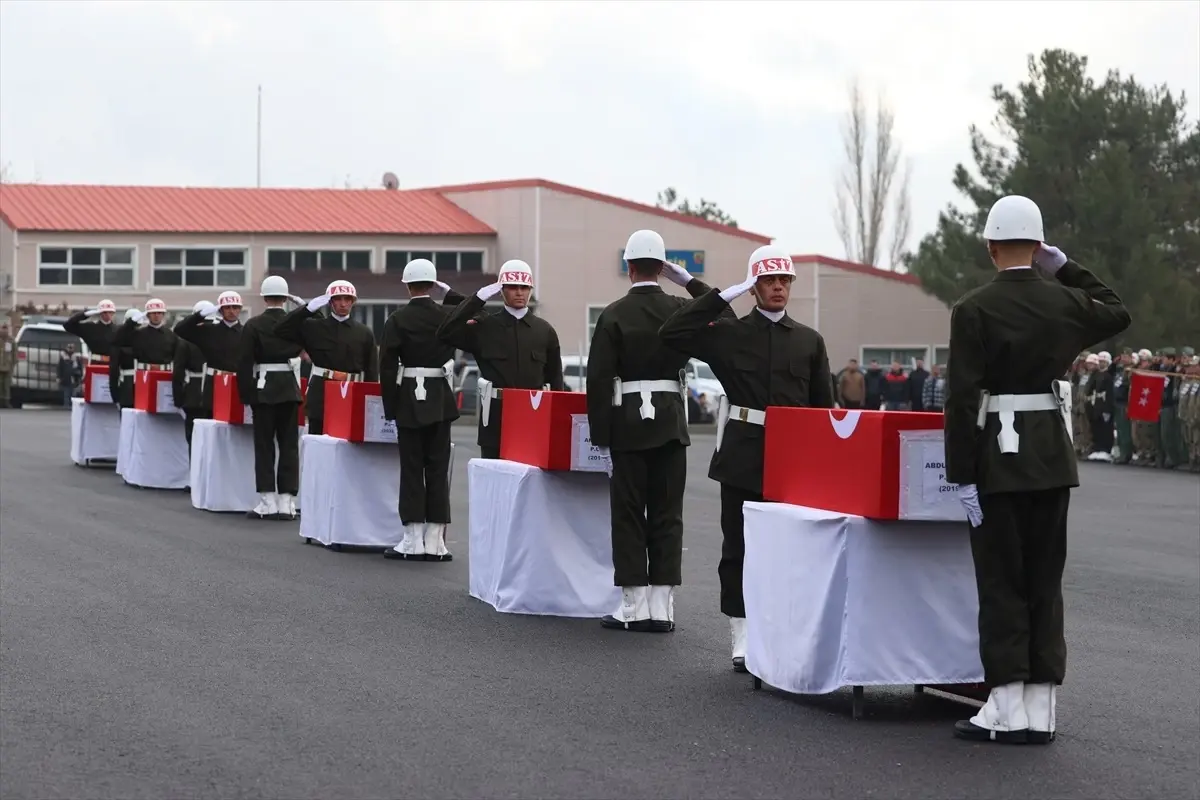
(1145, 396)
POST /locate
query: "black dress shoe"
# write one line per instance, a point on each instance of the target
(1040, 737)
(391, 553)
(965, 729)
(661, 626)
(612, 623)
(739, 664)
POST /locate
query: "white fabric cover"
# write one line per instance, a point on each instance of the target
(153, 450)
(540, 541)
(351, 491)
(222, 473)
(834, 600)
(95, 431)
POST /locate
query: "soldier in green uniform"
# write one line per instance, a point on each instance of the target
(217, 331)
(1008, 450)
(637, 414)
(187, 380)
(120, 367)
(414, 380)
(150, 341)
(268, 377)
(1120, 388)
(1168, 434)
(1186, 407)
(95, 327)
(762, 359)
(514, 348)
(340, 348)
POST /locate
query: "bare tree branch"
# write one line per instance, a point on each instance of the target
(865, 196)
(901, 219)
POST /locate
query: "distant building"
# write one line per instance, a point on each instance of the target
(63, 244)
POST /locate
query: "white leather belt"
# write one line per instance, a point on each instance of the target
(95, 359)
(261, 370)
(727, 412)
(335, 375)
(487, 393)
(188, 375)
(646, 389)
(419, 374)
(128, 373)
(157, 367)
(1007, 406)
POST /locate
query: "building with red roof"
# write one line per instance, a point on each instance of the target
(73, 244)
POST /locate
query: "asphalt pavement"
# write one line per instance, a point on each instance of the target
(149, 650)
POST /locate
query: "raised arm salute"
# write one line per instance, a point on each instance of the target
(1008, 448)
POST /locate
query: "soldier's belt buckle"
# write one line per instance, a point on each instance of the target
(341, 376)
(743, 413)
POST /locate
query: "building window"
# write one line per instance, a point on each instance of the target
(941, 355)
(446, 261)
(885, 355)
(374, 316)
(593, 316)
(85, 266)
(318, 261)
(200, 266)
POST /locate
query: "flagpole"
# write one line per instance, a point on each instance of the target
(258, 137)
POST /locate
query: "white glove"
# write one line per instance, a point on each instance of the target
(297, 300)
(317, 303)
(734, 292)
(439, 290)
(968, 495)
(489, 291)
(607, 453)
(676, 274)
(138, 316)
(1049, 259)
(95, 312)
(206, 309)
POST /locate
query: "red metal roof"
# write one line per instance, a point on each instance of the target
(170, 209)
(862, 269)
(526, 183)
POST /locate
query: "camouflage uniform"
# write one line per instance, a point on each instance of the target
(1080, 390)
(1189, 410)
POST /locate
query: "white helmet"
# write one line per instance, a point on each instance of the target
(154, 304)
(419, 270)
(274, 286)
(200, 306)
(106, 305)
(130, 314)
(770, 260)
(1014, 217)
(645, 244)
(341, 289)
(516, 272)
(1104, 356)
(229, 299)
(1144, 353)
(1092, 358)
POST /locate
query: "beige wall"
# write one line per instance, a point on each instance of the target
(574, 245)
(8, 258)
(27, 290)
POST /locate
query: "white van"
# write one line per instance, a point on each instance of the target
(575, 373)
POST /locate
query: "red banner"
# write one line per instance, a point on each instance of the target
(1145, 396)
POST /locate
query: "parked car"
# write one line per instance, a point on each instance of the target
(575, 373)
(702, 381)
(35, 373)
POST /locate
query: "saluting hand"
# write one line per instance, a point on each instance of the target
(439, 290)
(676, 274)
(489, 291)
(209, 310)
(734, 292)
(317, 303)
(1049, 259)
(138, 316)
(94, 312)
(297, 300)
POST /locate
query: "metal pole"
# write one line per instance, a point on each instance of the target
(258, 154)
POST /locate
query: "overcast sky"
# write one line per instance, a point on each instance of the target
(739, 102)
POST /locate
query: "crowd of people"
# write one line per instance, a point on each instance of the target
(894, 389)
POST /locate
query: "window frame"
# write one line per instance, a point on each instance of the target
(589, 325)
(458, 266)
(371, 252)
(934, 349)
(247, 267)
(69, 287)
(891, 348)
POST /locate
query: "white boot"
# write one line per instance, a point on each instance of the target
(267, 506)
(737, 630)
(404, 547)
(662, 608)
(287, 506)
(1040, 702)
(435, 542)
(634, 612)
(1002, 718)
(417, 546)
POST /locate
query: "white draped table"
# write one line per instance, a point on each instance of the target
(540, 541)
(835, 600)
(152, 452)
(95, 431)
(351, 492)
(222, 470)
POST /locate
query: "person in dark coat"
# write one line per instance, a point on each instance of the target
(120, 367)
(95, 327)
(217, 331)
(187, 381)
(514, 348)
(916, 386)
(637, 415)
(150, 341)
(340, 348)
(1009, 451)
(415, 371)
(762, 359)
(268, 377)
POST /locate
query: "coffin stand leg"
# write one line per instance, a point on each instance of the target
(857, 702)
(757, 683)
